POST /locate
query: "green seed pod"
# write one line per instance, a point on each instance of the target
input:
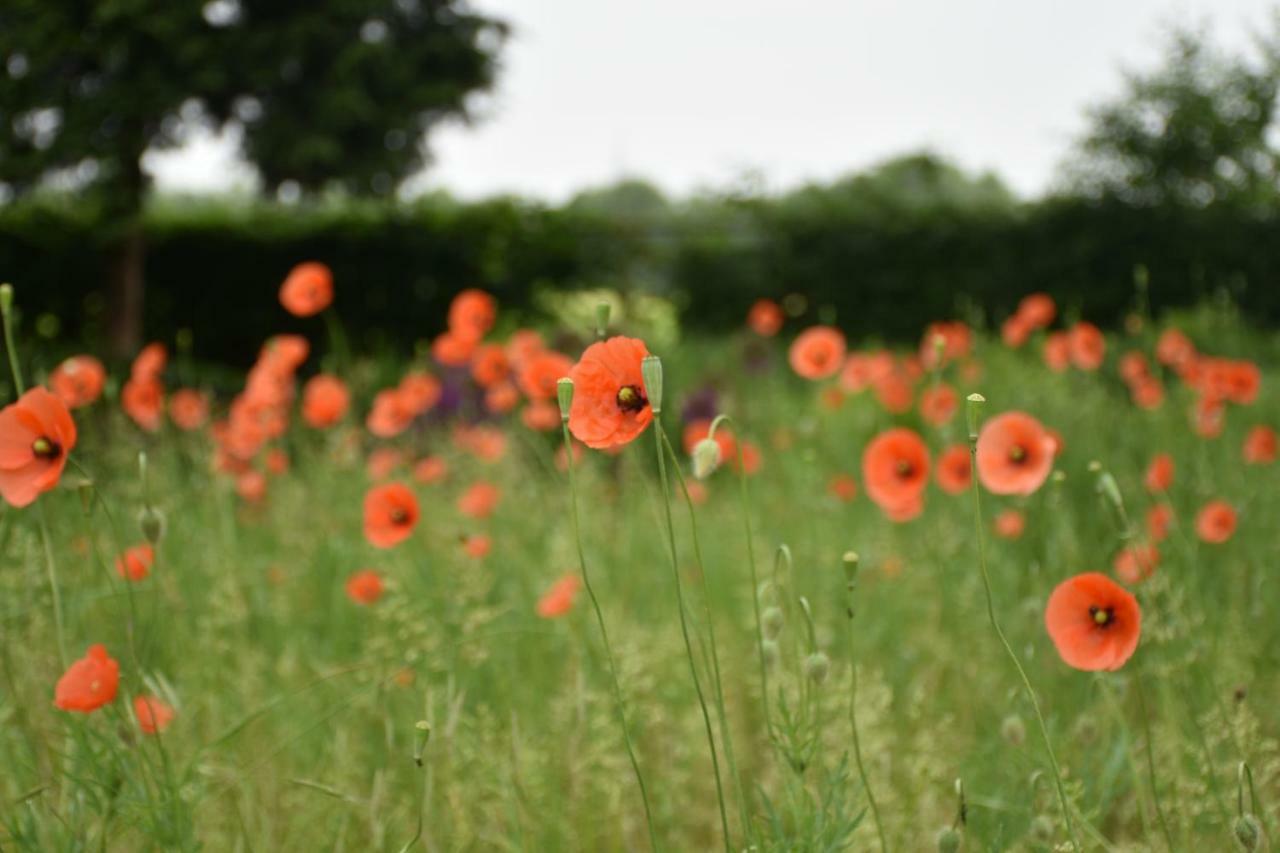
(1013, 730)
(651, 372)
(771, 622)
(771, 653)
(1042, 828)
(1248, 832)
(706, 458)
(151, 522)
(949, 840)
(817, 667)
(564, 396)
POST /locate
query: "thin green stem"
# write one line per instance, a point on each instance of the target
(853, 720)
(1013, 657)
(684, 630)
(1151, 762)
(604, 636)
(723, 716)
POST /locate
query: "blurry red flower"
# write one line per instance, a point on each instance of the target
(430, 469)
(325, 400)
(1087, 346)
(1015, 454)
(558, 600)
(954, 469)
(765, 318)
(842, 487)
(895, 471)
(143, 401)
(1010, 524)
(78, 380)
(1159, 476)
(1216, 522)
(307, 290)
(938, 403)
(153, 715)
(479, 500)
(189, 409)
(1260, 446)
(472, 314)
(89, 683)
(364, 586)
(135, 563)
(1136, 563)
(817, 352)
(36, 434)
(539, 375)
(390, 513)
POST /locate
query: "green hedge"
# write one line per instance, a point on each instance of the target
(215, 268)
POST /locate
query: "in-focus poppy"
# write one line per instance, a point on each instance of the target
(89, 683)
(817, 352)
(610, 404)
(765, 318)
(1015, 454)
(364, 586)
(895, 471)
(307, 290)
(390, 513)
(1159, 476)
(154, 715)
(1260, 446)
(325, 400)
(78, 380)
(135, 563)
(954, 469)
(1216, 522)
(479, 500)
(36, 434)
(558, 600)
(1094, 622)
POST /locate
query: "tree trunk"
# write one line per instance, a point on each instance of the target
(125, 293)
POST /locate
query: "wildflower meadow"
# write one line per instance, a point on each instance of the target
(600, 585)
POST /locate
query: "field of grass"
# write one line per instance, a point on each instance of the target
(451, 713)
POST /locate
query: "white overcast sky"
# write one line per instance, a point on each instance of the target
(693, 93)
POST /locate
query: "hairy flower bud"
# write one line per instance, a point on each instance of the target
(1248, 832)
(771, 622)
(706, 458)
(817, 667)
(948, 840)
(151, 522)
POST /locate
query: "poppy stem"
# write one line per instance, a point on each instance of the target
(745, 501)
(604, 635)
(1065, 805)
(851, 584)
(1151, 762)
(725, 734)
(684, 626)
(51, 566)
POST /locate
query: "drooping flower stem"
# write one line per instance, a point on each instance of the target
(653, 371)
(51, 566)
(721, 714)
(566, 389)
(851, 585)
(975, 402)
(745, 501)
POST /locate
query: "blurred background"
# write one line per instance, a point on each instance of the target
(878, 165)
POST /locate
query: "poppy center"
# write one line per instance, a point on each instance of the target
(1102, 616)
(46, 449)
(631, 398)
(1017, 454)
(905, 469)
(399, 516)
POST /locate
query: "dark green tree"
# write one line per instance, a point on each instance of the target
(1197, 129)
(325, 95)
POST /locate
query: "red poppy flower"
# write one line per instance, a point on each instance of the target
(150, 361)
(251, 486)
(1037, 310)
(895, 471)
(954, 469)
(842, 487)
(817, 352)
(765, 318)
(1087, 346)
(523, 345)
(382, 462)
(477, 546)
(78, 381)
(307, 290)
(1133, 367)
(1159, 476)
(430, 469)
(1094, 622)
(558, 600)
(751, 459)
(325, 400)
(472, 314)
(189, 409)
(489, 365)
(1147, 394)
(154, 715)
(480, 500)
(364, 586)
(135, 563)
(1260, 446)
(453, 350)
(143, 401)
(1216, 522)
(486, 443)
(89, 683)
(944, 343)
(1015, 454)
(938, 403)
(390, 513)
(539, 375)
(391, 414)
(36, 434)
(419, 391)
(1174, 349)
(501, 398)
(894, 392)
(1015, 331)
(1057, 351)
(1136, 563)
(610, 405)
(541, 416)
(1010, 524)
(1159, 517)
(861, 370)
